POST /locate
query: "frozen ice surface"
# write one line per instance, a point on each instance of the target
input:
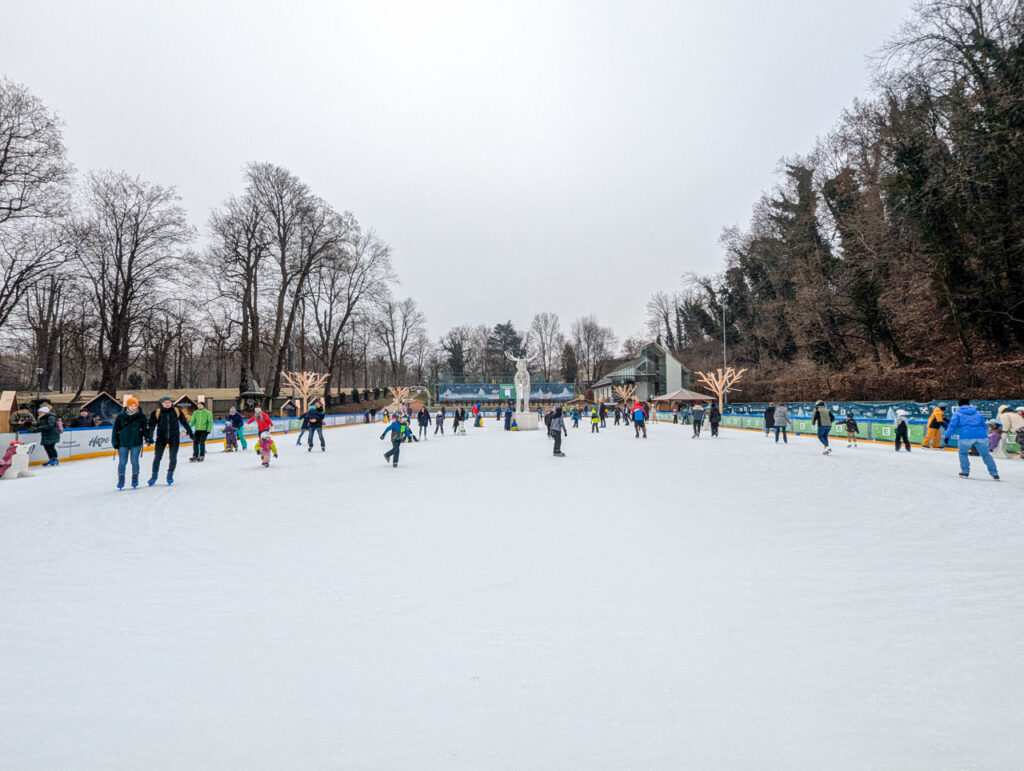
(668, 603)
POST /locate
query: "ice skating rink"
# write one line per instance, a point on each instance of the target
(660, 604)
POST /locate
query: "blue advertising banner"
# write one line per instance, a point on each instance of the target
(493, 392)
(874, 410)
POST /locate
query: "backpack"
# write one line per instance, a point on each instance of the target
(60, 425)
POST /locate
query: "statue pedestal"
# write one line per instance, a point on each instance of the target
(527, 421)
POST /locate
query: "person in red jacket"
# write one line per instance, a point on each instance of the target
(262, 419)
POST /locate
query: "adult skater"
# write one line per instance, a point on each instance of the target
(463, 419)
(439, 422)
(555, 430)
(769, 420)
(423, 419)
(235, 419)
(603, 412)
(1012, 424)
(780, 417)
(715, 417)
(456, 418)
(167, 421)
(698, 419)
(901, 428)
(823, 418)
(508, 418)
(933, 434)
(127, 437)
(639, 419)
(315, 421)
(618, 415)
(399, 431)
(49, 433)
(575, 417)
(968, 423)
(202, 424)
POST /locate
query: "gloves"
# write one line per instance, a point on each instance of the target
(382, 437)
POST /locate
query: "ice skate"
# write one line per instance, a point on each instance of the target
(151, 481)
(170, 479)
(120, 482)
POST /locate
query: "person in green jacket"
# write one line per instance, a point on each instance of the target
(202, 424)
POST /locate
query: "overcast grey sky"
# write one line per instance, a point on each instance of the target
(519, 157)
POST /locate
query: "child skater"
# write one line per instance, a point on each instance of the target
(230, 441)
(265, 447)
(851, 430)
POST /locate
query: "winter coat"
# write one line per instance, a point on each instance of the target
(770, 417)
(262, 420)
(202, 420)
(313, 418)
(936, 419)
(715, 416)
(423, 417)
(22, 420)
(557, 424)
(901, 419)
(81, 422)
(994, 438)
(639, 414)
(236, 419)
(399, 431)
(1011, 422)
(823, 416)
(166, 423)
(780, 417)
(968, 423)
(48, 429)
(851, 424)
(129, 429)
(698, 414)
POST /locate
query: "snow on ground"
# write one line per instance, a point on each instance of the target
(667, 603)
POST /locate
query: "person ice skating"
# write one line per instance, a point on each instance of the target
(423, 419)
(675, 414)
(901, 428)
(303, 428)
(456, 417)
(202, 424)
(49, 429)
(508, 418)
(315, 422)
(969, 425)
(995, 436)
(556, 428)
(715, 417)
(823, 418)
(698, 419)
(478, 416)
(235, 419)
(126, 437)
(266, 447)
(575, 418)
(618, 415)
(398, 431)
(595, 422)
(933, 434)
(780, 419)
(639, 419)
(439, 423)
(1012, 425)
(164, 429)
(462, 421)
(769, 419)
(230, 441)
(603, 414)
(851, 430)
(263, 424)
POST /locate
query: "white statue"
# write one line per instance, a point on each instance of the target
(522, 381)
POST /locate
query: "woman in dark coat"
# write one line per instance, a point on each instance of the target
(127, 437)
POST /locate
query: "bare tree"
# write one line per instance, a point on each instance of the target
(28, 252)
(399, 325)
(593, 344)
(34, 171)
(546, 341)
(352, 277)
(135, 234)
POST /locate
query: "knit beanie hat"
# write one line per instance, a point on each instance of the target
(131, 401)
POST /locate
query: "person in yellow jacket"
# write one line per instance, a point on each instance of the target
(933, 434)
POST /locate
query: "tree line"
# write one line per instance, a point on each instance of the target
(105, 285)
(890, 258)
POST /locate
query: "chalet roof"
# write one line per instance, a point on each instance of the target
(683, 395)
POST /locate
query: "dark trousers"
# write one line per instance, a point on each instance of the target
(319, 431)
(697, 426)
(638, 426)
(51, 451)
(594, 429)
(901, 436)
(158, 454)
(199, 444)
(557, 436)
(714, 429)
(392, 454)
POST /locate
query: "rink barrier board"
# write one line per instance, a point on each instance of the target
(96, 442)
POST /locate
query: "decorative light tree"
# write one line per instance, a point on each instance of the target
(305, 383)
(399, 394)
(627, 393)
(719, 382)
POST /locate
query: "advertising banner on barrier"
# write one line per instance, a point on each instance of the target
(876, 410)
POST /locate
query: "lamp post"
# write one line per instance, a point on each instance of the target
(39, 375)
(725, 357)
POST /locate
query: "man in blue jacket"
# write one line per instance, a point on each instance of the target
(399, 431)
(970, 425)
